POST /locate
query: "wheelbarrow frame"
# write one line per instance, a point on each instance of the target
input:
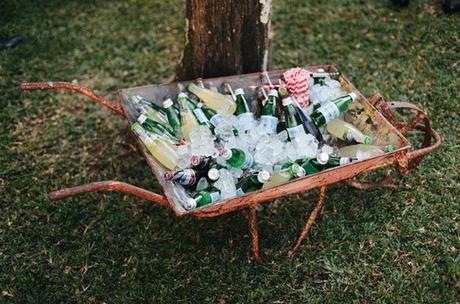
(375, 108)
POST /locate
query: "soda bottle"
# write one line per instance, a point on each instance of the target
(268, 118)
(294, 170)
(294, 124)
(369, 150)
(202, 162)
(173, 118)
(162, 150)
(188, 120)
(238, 158)
(220, 103)
(332, 109)
(315, 165)
(202, 198)
(148, 108)
(157, 128)
(198, 112)
(241, 102)
(190, 177)
(214, 118)
(252, 182)
(346, 131)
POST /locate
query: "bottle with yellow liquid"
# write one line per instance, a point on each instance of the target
(220, 103)
(188, 119)
(362, 151)
(161, 149)
(346, 131)
(285, 175)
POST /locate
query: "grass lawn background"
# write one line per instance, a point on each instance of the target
(378, 245)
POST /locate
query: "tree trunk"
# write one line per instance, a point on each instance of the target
(225, 37)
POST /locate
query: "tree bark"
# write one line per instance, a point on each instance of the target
(225, 37)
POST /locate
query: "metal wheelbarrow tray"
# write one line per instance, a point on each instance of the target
(374, 117)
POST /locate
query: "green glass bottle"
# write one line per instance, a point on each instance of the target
(315, 165)
(173, 118)
(202, 198)
(294, 124)
(252, 182)
(292, 171)
(238, 158)
(157, 128)
(332, 109)
(138, 99)
(241, 102)
(197, 111)
(268, 118)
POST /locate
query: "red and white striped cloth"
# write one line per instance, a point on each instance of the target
(296, 80)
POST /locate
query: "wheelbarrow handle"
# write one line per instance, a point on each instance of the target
(110, 185)
(412, 158)
(30, 86)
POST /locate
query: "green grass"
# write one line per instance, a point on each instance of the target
(370, 246)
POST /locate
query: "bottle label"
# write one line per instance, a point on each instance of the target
(347, 136)
(269, 123)
(200, 115)
(295, 131)
(248, 162)
(329, 111)
(239, 192)
(216, 120)
(188, 177)
(215, 196)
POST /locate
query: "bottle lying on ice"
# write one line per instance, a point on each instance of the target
(323, 162)
(252, 182)
(201, 162)
(220, 103)
(332, 109)
(190, 177)
(346, 131)
(292, 171)
(238, 158)
(148, 108)
(188, 119)
(161, 149)
(268, 118)
(157, 128)
(197, 111)
(202, 198)
(173, 117)
(361, 151)
(294, 124)
(243, 112)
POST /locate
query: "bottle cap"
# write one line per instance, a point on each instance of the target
(213, 174)
(367, 140)
(389, 148)
(200, 105)
(168, 175)
(273, 93)
(190, 203)
(226, 154)
(167, 103)
(264, 176)
(296, 170)
(287, 101)
(196, 160)
(182, 95)
(239, 91)
(322, 158)
(134, 98)
(141, 119)
(353, 95)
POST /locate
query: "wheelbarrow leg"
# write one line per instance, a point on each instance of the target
(254, 233)
(311, 219)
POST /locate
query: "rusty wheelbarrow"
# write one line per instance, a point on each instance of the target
(373, 116)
